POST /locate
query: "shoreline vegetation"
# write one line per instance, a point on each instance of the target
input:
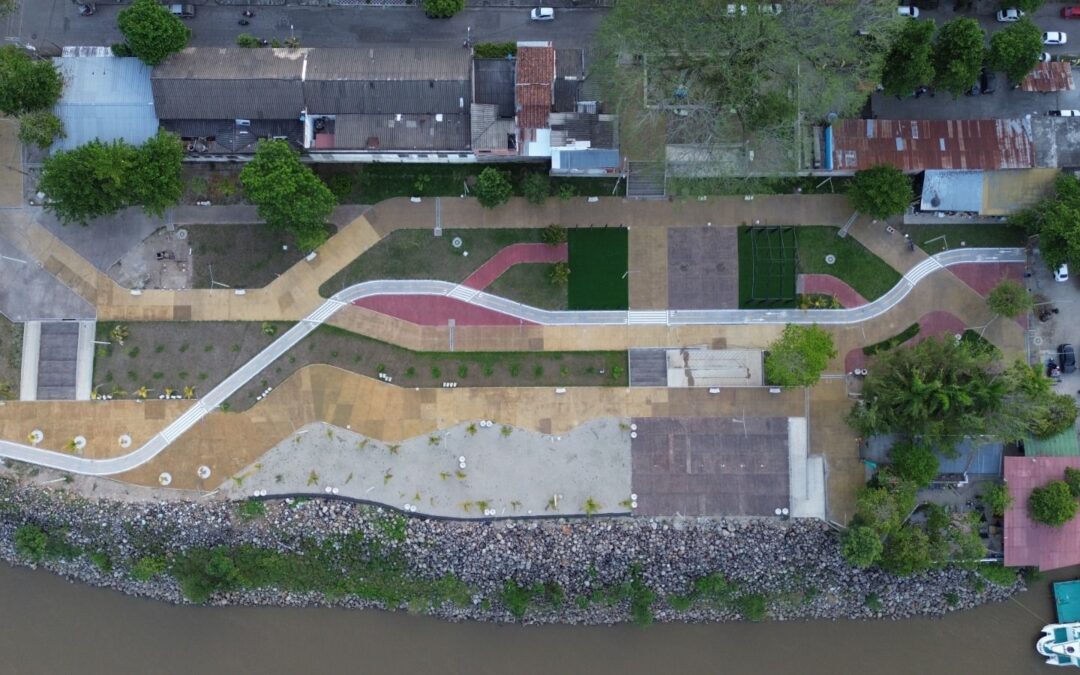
(315, 552)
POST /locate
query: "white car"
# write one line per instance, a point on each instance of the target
(1009, 15)
(1044, 57)
(1062, 273)
(1055, 37)
(905, 10)
(542, 14)
(1064, 113)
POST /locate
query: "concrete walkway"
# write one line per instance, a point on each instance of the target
(220, 393)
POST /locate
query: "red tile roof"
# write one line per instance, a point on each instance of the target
(1028, 542)
(533, 89)
(916, 145)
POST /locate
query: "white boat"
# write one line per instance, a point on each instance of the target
(1060, 644)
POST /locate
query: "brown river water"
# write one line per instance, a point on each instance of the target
(48, 625)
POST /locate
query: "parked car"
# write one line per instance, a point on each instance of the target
(1070, 12)
(183, 11)
(542, 14)
(984, 84)
(1044, 57)
(1066, 358)
(1009, 15)
(1055, 37)
(1062, 273)
(87, 9)
(1064, 113)
(905, 10)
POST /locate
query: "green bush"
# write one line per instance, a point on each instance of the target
(998, 498)
(31, 542)
(495, 50)
(900, 338)
(247, 40)
(1052, 504)
(251, 509)
(861, 546)
(536, 187)
(442, 9)
(752, 607)
(516, 598)
(997, 574)
(492, 188)
(915, 462)
(1072, 479)
(148, 567)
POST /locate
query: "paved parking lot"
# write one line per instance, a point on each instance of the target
(1063, 327)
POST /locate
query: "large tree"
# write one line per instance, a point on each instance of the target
(915, 462)
(938, 391)
(97, 179)
(88, 181)
(1052, 504)
(1009, 298)
(1016, 49)
(711, 77)
(1042, 412)
(492, 188)
(288, 194)
(958, 55)
(798, 357)
(880, 191)
(861, 546)
(151, 31)
(1056, 220)
(40, 128)
(908, 64)
(27, 84)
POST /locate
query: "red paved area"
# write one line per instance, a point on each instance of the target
(513, 255)
(827, 284)
(1028, 542)
(437, 310)
(930, 325)
(984, 276)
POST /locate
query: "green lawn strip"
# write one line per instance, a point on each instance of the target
(868, 274)
(10, 358)
(764, 281)
(598, 268)
(898, 339)
(367, 356)
(530, 284)
(373, 183)
(241, 256)
(418, 254)
(986, 235)
(697, 187)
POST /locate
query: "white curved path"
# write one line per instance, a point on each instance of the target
(220, 393)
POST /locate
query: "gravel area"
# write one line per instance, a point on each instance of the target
(795, 565)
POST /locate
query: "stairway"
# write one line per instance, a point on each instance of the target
(646, 180)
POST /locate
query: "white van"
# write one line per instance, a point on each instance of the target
(182, 11)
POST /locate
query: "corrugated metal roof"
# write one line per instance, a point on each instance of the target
(585, 160)
(105, 98)
(225, 99)
(569, 63)
(494, 83)
(388, 63)
(1006, 192)
(232, 63)
(411, 132)
(1047, 77)
(971, 457)
(1061, 445)
(917, 145)
(372, 97)
(597, 130)
(952, 191)
(491, 133)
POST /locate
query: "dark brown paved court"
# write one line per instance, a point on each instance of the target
(710, 466)
(703, 268)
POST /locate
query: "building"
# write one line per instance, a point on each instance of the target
(1028, 543)
(986, 193)
(105, 98)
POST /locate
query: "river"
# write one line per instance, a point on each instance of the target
(48, 625)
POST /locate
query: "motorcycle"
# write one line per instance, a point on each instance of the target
(248, 13)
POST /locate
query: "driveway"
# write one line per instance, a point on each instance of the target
(1004, 102)
(1064, 326)
(50, 24)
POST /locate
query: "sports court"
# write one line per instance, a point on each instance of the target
(703, 270)
(768, 264)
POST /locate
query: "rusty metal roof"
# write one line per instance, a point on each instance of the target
(916, 145)
(1028, 543)
(1047, 77)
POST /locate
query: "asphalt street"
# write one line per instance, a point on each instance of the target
(1004, 102)
(50, 24)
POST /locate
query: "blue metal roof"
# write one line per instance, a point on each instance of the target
(971, 458)
(107, 98)
(952, 191)
(585, 160)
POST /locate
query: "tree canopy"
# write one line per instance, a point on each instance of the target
(880, 191)
(151, 31)
(1052, 504)
(98, 178)
(798, 357)
(492, 188)
(861, 546)
(908, 64)
(915, 462)
(288, 194)
(1009, 298)
(441, 9)
(714, 73)
(998, 498)
(40, 128)
(1015, 49)
(1056, 220)
(27, 84)
(958, 55)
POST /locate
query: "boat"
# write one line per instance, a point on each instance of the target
(1060, 644)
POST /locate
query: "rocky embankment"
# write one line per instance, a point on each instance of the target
(795, 567)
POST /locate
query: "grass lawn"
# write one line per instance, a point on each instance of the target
(696, 187)
(373, 183)
(10, 358)
(767, 267)
(530, 284)
(868, 274)
(997, 235)
(363, 355)
(241, 256)
(598, 268)
(418, 254)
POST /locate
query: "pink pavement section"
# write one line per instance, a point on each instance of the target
(827, 284)
(513, 255)
(437, 310)
(932, 324)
